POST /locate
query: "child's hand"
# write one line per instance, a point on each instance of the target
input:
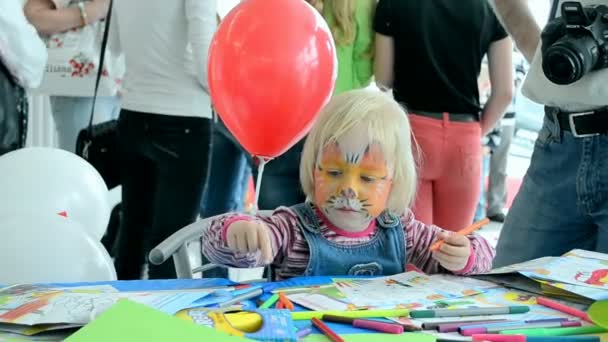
(249, 237)
(454, 253)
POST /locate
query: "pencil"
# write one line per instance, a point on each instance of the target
(326, 330)
(466, 231)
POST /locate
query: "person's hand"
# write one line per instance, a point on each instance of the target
(454, 253)
(249, 237)
(554, 30)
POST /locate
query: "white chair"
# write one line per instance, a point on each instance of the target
(177, 246)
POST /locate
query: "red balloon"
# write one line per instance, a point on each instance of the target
(272, 67)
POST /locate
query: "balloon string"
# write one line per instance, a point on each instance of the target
(258, 183)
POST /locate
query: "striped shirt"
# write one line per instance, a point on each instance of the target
(291, 252)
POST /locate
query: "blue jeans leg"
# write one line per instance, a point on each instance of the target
(563, 201)
(228, 176)
(281, 180)
(480, 212)
(72, 114)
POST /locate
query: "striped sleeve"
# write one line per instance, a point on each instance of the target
(281, 225)
(419, 238)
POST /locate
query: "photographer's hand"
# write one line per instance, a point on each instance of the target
(554, 30)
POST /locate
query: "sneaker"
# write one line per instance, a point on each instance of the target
(497, 218)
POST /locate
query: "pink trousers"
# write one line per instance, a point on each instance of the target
(449, 170)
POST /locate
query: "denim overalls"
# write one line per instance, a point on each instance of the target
(384, 254)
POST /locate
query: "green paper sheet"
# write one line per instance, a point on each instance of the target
(409, 337)
(598, 312)
(127, 321)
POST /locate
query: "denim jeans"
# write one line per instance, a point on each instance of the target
(228, 175)
(72, 114)
(480, 211)
(563, 201)
(281, 180)
(163, 164)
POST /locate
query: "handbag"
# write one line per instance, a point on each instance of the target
(74, 60)
(98, 144)
(13, 112)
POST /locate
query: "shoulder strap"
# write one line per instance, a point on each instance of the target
(104, 43)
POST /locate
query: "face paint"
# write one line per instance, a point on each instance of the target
(352, 181)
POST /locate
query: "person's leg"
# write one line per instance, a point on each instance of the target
(480, 211)
(593, 188)
(457, 188)
(180, 148)
(548, 216)
(428, 145)
(137, 178)
(223, 190)
(72, 114)
(497, 188)
(281, 180)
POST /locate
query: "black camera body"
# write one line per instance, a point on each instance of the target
(577, 43)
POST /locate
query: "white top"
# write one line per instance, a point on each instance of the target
(165, 45)
(21, 50)
(589, 92)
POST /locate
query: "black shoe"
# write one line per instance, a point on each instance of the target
(497, 218)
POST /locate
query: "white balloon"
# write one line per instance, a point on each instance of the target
(51, 181)
(37, 248)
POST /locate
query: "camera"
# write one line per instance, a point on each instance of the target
(581, 45)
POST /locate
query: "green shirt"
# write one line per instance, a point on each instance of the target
(355, 60)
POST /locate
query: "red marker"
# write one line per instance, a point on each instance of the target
(326, 331)
(389, 328)
(563, 308)
(63, 213)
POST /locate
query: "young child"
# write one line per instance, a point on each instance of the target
(359, 175)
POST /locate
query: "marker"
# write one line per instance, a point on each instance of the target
(270, 302)
(436, 325)
(491, 330)
(304, 332)
(585, 330)
(466, 231)
(469, 312)
(563, 308)
(306, 315)
(453, 327)
(523, 338)
(326, 330)
(248, 295)
(389, 328)
(506, 324)
(287, 304)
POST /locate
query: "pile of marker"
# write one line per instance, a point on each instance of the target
(480, 330)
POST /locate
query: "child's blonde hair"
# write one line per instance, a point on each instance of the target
(387, 125)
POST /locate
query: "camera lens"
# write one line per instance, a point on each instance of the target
(569, 59)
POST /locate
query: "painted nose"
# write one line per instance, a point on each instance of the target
(349, 193)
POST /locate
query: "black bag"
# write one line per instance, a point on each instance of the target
(98, 143)
(13, 112)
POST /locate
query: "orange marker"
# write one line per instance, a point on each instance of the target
(466, 231)
(286, 302)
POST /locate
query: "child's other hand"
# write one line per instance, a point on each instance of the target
(454, 253)
(249, 237)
